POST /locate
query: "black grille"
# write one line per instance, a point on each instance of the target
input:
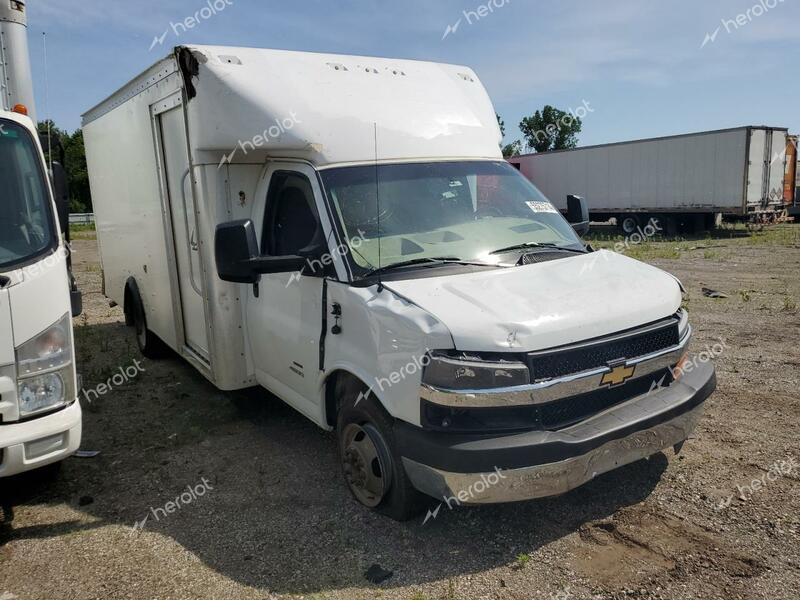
(545, 417)
(540, 257)
(559, 363)
(563, 413)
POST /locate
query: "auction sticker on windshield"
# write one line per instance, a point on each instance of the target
(541, 207)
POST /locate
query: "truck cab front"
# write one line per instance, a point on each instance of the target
(40, 418)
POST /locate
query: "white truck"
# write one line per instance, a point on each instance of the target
(344, 232)
(40, 417)
(683, 181)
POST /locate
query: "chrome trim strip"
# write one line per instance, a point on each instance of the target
(514, 485)
(552, 389)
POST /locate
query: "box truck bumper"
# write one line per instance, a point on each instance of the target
(40, 442)
(481, 469)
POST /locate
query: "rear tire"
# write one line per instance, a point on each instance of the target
(149, 344)
(372, 468)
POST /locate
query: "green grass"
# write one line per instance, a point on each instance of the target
(715, 245)
(522, 560)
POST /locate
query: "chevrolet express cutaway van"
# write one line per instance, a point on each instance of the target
(344, 232)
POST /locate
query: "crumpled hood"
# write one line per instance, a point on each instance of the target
(545, 305)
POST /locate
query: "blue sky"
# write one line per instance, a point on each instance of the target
(641, 66)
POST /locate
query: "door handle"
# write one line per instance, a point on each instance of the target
(192, 241)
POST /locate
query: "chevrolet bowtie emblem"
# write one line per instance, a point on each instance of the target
(618, 375)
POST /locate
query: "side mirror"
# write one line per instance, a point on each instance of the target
(235, 249)
(239, 259)
(578, 214)
(61, 193)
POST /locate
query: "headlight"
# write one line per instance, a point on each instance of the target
(447, 371)
(45, 378)
(40, 393)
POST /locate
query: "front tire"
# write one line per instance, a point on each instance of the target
(372, 467)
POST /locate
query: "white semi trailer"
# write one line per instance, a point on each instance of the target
(683, 180)
(40, 417)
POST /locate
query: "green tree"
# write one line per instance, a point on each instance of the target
(77, 173)
(512, 149)
(80, 195)
(551, 129)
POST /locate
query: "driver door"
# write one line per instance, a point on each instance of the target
(284, 310)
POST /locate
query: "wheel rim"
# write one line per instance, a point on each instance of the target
(366, 463)
(629, 225)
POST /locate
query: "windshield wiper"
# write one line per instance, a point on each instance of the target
(548, 245)
(442, 260)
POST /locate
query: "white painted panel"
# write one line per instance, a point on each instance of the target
(186, 236)
(777, 168)
(621, 171)
(699, 171)
(126, 192)
(758, 149)
(598, 180)
(6, 336)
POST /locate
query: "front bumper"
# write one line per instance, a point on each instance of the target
(42, 441)
(483, 469)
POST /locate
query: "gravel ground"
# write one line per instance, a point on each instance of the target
(270, 517)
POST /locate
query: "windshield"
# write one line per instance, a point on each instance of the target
(26, 220)
(466, 210)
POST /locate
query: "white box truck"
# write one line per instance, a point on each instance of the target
(40, 417)
(683, 180)
(344, 232)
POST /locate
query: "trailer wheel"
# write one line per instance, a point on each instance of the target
(149, 344)
(373, 470)
(629, 224)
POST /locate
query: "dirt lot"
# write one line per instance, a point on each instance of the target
(271, 517)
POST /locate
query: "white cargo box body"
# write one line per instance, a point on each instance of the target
(184, 147)
(734, 171)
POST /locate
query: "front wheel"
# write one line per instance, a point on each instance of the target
(373, 470)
